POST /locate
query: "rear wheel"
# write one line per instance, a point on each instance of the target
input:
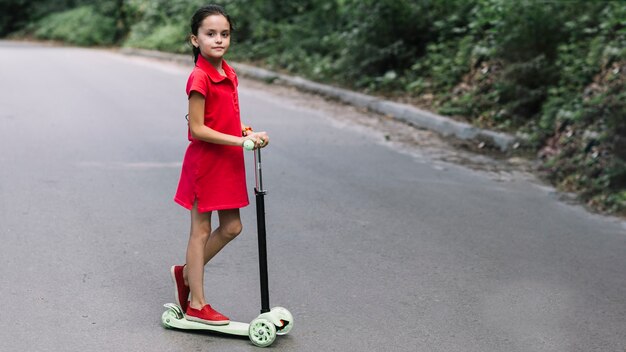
(262, 332)
(167, 317)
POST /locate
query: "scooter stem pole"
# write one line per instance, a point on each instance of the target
(260, 222)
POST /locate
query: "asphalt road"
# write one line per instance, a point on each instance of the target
(371, 248)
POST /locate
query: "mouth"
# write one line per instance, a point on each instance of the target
(218, 48)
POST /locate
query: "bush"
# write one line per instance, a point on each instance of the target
(160, 24)
(18, 14)
(581, 128)
(80, 26)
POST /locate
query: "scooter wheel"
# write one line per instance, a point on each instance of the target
(167, 317)
(285, 317)
(176, 309)
(262, 332)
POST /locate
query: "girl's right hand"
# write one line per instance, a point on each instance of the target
(260, 139)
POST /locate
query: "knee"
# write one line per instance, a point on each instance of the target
(201, 232)
(231, 230)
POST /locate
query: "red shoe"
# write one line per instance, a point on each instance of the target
(206, 315)
(182, 290)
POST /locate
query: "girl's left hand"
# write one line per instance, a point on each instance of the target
(261, 139)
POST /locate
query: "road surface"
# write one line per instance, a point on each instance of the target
(374, 245)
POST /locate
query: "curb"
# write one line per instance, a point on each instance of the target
(403, 112)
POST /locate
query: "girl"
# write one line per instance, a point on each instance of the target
(213, 175)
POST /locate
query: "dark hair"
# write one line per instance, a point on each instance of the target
(199, 16)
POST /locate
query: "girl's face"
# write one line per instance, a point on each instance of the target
(213, 37)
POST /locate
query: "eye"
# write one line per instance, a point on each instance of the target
(225, 34)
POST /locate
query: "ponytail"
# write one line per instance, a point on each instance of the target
(196, 52)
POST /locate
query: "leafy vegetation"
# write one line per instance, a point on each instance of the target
(80, 26)
(553, 72)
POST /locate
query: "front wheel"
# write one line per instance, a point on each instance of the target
(262, 332)
(285, 317)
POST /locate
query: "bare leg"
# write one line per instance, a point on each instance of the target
(194, 270)
(229, 227)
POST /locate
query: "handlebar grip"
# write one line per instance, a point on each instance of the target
(248, 144)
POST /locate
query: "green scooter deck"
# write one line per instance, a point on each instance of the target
(174, 318)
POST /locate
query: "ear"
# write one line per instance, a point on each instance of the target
(194, 41)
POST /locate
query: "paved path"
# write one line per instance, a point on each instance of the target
(372, 247)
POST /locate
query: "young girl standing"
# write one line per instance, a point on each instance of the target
(213, 175)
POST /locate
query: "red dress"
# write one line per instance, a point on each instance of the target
(213, 175)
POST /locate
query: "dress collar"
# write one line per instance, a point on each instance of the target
(215, 76)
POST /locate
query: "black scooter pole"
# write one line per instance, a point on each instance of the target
(260, 221)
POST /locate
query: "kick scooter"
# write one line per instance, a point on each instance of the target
(263, 329)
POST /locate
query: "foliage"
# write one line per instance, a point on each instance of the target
(582, 125)
(80, 26)
(160, 24)
(552, 71)
(17, 14)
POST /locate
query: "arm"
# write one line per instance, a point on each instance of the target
(202, 132)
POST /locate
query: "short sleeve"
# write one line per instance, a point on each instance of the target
(199, 82)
